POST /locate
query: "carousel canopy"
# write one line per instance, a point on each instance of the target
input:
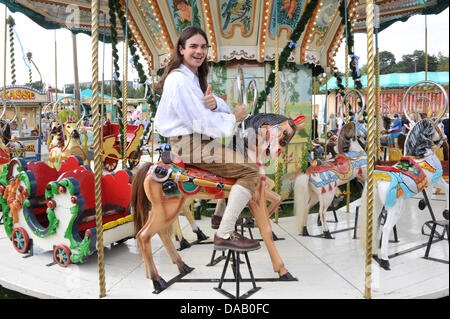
(237, 29)
(395, 79)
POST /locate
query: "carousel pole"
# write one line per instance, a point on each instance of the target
(347, 111)
(152, 120)
(426, 50)
(97, 156)
(370, 144)
(4, 53)
(112, 89)
(326, 115)
(11, 24)
(276, 103)
(76, 87)
(125, 88)
(378, 93)
(103, 82)
(56, 72)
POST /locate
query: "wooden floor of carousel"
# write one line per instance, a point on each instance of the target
(324, 268)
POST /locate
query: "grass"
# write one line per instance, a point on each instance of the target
(11, 294)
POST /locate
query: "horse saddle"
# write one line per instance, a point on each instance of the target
(189, 180)
(407, 166)
(341, 165)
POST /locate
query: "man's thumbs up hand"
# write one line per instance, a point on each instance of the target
(209, 100)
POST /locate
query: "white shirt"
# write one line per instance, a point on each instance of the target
(181, 110)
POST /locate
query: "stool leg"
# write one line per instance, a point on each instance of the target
(238, 275)
(224, 269)
(250, 269)
(356, 222)
(430, 241)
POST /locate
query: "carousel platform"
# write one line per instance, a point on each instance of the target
(326, 269)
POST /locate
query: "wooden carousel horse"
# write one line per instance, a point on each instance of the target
(65, 141)
(417, 170)
(10, 146)
(163, 187)
(321, 180)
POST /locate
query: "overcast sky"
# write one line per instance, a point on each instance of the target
(400, 38)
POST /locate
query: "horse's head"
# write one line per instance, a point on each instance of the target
(5, 131)
(269, 133)
(71, 129)
(421, 138)
(347, 138)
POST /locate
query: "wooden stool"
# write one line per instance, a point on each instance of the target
(237, 276)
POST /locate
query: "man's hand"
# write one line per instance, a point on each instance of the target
(209, 100)
(240, 112)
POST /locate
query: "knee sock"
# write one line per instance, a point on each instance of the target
(238, 199)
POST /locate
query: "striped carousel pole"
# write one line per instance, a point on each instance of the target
(125, 89)
(347, 110)
(97, 156)
(276, 104)
(370, 143)
(12, 60)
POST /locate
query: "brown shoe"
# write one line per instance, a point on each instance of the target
(215, 221)
(235, 241)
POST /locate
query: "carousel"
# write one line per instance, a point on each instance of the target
(270, 56)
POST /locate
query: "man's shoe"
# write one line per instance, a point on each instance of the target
(235, 241)
(215, 221)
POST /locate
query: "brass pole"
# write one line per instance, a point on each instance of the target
(370, 144)
(97, 156)
(326, 115)
(4, 54)
(277, 107)
(76, 87)
(377, 106)
(125, 90)
(56, 71)
(426, 50)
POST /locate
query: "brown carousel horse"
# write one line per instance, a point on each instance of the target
(164, 187)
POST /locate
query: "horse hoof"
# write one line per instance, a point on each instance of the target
(184, 244)
(288, 277)
(186, 269)
(305, 231)
(445, 214)
(200, 235)
(382, 262)
(327, 235)
(422, 204)
(159, 285)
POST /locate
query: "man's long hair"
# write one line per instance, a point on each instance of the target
(176, 59)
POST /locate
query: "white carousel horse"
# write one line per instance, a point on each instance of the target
(419, 169)
(321, 180)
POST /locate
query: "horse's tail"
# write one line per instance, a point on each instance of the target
(362, 217)
(301, 200)
(140, 204)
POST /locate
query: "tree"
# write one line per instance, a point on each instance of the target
(415, 62)
(442, 62)
(387, 62)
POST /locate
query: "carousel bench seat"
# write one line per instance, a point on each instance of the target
(116, 194)
(110, 129)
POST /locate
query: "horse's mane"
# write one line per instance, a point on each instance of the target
(346, 136)
(252, 124)
(386, 122)
(419, 139)
(5, 131)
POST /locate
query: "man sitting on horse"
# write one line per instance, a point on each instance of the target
(192, 117)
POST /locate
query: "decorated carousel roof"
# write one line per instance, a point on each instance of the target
(237, 29)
